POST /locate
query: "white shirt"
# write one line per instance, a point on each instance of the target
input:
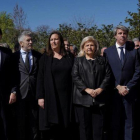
(23, 54)
(119, 50)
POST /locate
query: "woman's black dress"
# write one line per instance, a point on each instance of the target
(61, 71)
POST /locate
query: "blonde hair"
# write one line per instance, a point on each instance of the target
(87, 39)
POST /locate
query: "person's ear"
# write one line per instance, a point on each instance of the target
(21, 43)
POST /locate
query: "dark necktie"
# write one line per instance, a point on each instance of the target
(122, 55)
(27, 63)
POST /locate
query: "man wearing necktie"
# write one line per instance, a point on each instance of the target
(25, 67)
(125, 66)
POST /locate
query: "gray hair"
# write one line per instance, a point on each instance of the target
(86, 39)
(135, 39)
(120, 27)
(24, 33)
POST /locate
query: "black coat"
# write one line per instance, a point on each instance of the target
(85, 77)
(46, 91)
(5, 74)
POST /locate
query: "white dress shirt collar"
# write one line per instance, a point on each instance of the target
(119, 50)
(22, 51)
(117, 45)
(23, 55)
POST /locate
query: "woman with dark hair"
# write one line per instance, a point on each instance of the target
(91, 77)
(54, 86)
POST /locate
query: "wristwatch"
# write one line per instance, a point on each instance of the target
(14, 92)
(127, 88)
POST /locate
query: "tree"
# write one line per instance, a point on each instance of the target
(7, 27)
(76, 34)
(41, 36)
(134, 23)
(105, 36)
(19, 18)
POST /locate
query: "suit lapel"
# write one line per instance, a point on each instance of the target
(90, 70)
(85, 64)
(2, 59)
(49, 64)
(116, 56)
(128, 49)
(125, 58)
(22, 64)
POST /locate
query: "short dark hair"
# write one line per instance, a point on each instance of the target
(65, 39)
(17, 47)
(120, 27)
(62, 47)
(0, 31)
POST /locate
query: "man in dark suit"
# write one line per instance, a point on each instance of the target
(125, 66)
(5, 54)
(25, 67)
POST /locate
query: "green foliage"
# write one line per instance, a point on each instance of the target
(134, 23)
(41, 37)
(7, 27)
(104, 35)
(19, 18)
(13, 26)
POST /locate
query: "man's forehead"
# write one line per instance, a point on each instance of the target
(27, 37)
(136, 41)
(120, 30)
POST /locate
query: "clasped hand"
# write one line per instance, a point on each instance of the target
(122, 90)
(93, 92)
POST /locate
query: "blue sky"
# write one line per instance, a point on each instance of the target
(55, 12)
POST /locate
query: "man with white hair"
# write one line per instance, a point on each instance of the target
(25, 67)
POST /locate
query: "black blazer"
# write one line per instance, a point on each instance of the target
(5, 74)
(85, 77)
(24, 80)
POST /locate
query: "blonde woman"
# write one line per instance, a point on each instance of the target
(91, 76)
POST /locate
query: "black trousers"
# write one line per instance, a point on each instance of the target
(7, 121)
(91, 122)
(122, 119)
(59, 132)
(27, 118)
(3, 122)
